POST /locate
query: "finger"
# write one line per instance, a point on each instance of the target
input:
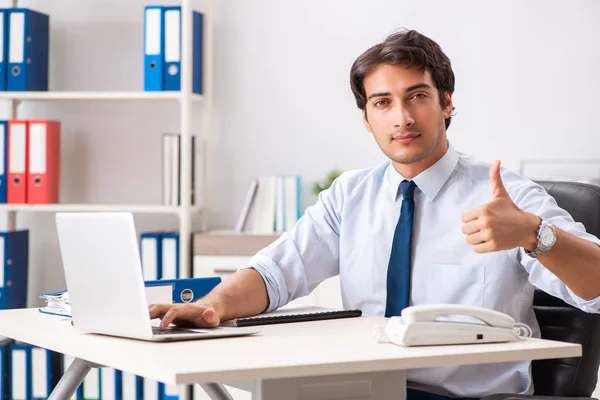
(210, 317)
(187, 315)
(473, 226)
(485, 247)
(498, 189)
(169, 317)
(158, 310)
(472, 214)
(477, 238)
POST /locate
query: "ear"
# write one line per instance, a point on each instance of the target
(449, 105)
(365, 121)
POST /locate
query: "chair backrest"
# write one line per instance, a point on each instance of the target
(569, 377)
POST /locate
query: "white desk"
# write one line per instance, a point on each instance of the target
(330, 357)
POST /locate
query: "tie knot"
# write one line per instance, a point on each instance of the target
(408, 189)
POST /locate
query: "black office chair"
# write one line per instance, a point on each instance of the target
(567, 378)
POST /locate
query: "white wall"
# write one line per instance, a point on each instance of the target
(527, 86)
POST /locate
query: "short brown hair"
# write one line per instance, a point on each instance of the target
(404, 47)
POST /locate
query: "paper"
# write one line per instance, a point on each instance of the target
(159, 294)
(58, 303)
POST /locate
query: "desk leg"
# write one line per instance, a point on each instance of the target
(388, 385)
(70, 381)
(215, 391)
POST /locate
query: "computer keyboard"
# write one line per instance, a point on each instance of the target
(169, 331)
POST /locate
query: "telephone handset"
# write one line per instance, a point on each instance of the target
(437, 324)
(429, 313)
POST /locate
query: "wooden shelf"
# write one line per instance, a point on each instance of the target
(107, 96)
(141, 208)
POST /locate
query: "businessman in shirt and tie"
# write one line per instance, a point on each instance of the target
(431, 225)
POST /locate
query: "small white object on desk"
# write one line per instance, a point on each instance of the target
(58, 303)
(449, 324)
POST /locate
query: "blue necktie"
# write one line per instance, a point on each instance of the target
(398, 275)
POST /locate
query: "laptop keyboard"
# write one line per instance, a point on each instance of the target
(169, 331)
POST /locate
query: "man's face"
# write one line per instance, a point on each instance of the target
(404, 115)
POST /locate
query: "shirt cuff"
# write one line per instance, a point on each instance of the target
(274, 281)
(590, 306)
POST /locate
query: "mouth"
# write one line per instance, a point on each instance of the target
(405, 138)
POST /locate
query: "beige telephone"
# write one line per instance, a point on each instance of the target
(439, 324)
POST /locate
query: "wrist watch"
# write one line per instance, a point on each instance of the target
(546, 237)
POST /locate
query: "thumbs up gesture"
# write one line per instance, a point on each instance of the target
(499, 224)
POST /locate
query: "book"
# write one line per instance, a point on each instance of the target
(293, 314)
(275, 207)
(171, 169)
(248, 201)
(57, 303)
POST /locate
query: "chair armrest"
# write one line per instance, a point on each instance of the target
(508, 396)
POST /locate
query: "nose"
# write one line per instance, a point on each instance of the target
(403, 118)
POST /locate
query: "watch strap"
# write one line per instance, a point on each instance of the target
(540, 249)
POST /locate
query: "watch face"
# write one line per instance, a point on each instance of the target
(547, 236)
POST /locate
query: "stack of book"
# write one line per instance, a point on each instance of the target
(25, 50)
(29, 161)
(30, 372)
(160, 255)
(272, 203)
(162, 49)
(57, 303)
(171, 169)
(14, 268)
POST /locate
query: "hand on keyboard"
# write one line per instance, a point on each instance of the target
(200, 314)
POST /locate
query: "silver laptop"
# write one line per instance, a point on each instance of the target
(103, 273)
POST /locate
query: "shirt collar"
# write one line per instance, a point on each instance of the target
(429, 181)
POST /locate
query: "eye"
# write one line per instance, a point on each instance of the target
(419, 96)
(381, 103)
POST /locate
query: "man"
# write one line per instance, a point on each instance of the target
(429, 226)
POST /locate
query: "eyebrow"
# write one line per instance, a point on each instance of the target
(408, 89)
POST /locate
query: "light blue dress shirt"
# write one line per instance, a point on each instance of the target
(349, 232)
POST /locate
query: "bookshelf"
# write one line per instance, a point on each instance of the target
(188, 103)
(135, 208)
(186, 100)
(76, 96)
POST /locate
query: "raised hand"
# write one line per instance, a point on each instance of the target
(499, 224)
